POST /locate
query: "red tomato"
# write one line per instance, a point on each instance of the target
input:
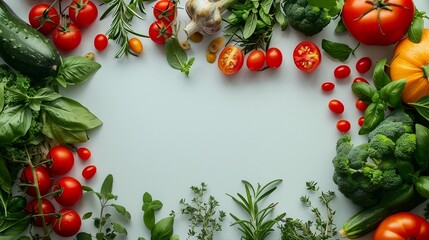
(68, 224)
(83, 12)
(328, 86)
(100, 42)
(230, 59)
(363, 65)
(360, 121)
(359, 79)
(44, 180)
(159, 32)
(62, 160)
(402, 226)
(67, 38)
(274, 57)
(48, 210)
(343, 126)
(84, 153)
(69, 191)
(44, 17)
(361, 105)
(255, 60)
(306, 56)
(164, 10)
(377, 22)
(342, 71)
(89, 171)
(336, 106)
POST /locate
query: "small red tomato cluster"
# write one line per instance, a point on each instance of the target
(47, 181)
(342, 72)
(258, 59)
(65, 28)
(161, 29)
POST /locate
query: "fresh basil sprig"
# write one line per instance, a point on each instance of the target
(385, 94)
(415, 31)
(422, 106)
(336, 50)
(75, 70)
(177, 57)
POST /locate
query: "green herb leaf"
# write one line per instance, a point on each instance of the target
(364, 91)
(415, 31)
(107, 185)
(280, 16)
(391, 93)
(422, 106)
(339, 51)
(54, 131)
(83, 236)
(47, 94)
(163, 229)
(123, 211)
(340, 28)
(250, 25)
(76, 70)
(380, 76)
(177, 57)
(1, 96)
(14, 123)
(119, 228)
(265, 17)
(374, 114)
(87, 215)
(323, 4)
(5, 178)
(422, 146)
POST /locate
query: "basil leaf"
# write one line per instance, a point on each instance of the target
(364, 91)
(83, 236)
(280, 16)
(5, 178)
(265, 17)
(422, 146)
(14, 123)
(47, 94)
(76, 69)
(374, 114)
(119, 228)
(250, 25)
(339, 51)
(415, 31)
(392, 92)
(1, 96)
(340, 28)
(107, 186)
(16, 204)
(149, 218)
(266, 6)
(177, 57)
(9, 229)
(54, 131)
(70, 114)
(34, 104)
(380, 76)
(163, 229)
(422, 106)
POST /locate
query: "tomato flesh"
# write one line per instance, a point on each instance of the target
(230, 60)
(306, 56)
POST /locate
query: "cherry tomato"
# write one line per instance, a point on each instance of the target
(159, 32)
(363, 64)
(48, 210)
(359, 79)
(328, 86)
(89, 171)
(230, 59)
(336, 106)
(135, 45)
(62, 160)
(70, 191)
(100, 42)
(84, 153)
(67, 38)
(164, 10)
(402, 226)
(255, 60)
(44, 18)
(68, 224)
(306, 56)
(83, 12)
(342, 71)
(361, 105)
(44, 180)
(274, 57)
(360, 121)
(343, 126)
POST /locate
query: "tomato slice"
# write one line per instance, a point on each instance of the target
(306, 56)
(230, 60)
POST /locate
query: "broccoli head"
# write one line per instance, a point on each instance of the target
(391, 179)
(305, 17)
(381, 147)
(358, 156)
(405, 146)
(393, 126)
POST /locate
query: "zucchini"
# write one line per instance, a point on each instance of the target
(404, 198)
(24, 48)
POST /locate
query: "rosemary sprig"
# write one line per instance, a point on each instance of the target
(121, 27)
(259, 226)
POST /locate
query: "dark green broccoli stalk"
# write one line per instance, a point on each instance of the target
(306, 18)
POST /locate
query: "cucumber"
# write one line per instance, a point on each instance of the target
(24, 48)
(404, 198)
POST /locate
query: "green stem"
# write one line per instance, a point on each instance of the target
(425, 69)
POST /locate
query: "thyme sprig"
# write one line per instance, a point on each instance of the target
(120, 28)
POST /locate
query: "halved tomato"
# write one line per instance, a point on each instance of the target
(230, 60)
(306, 56)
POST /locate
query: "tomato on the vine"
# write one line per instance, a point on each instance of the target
(377, 22)
(363, 64)
(44, 180)
(342, 71)
(159, 31)
(83, 12)
(67, 38)
(164, 10)
(62, 160)
(306, 56)
(255, 60)
(343, 126)
(273, 57)
(68, 224)
(89, 171)
(84, 153)
(48, 211)
(336, 106)
(44, 18)
(402, 226)
(100, 42)
(69, 191)
(230, 60)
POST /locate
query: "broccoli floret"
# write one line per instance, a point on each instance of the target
(344, 144)
(358, 156)
(400, 116)
(391, 179)
(363, 198)
(305, 17)
(381, 147)
(392, 130)
(405, 146)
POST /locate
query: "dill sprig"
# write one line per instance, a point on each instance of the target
(120, 28)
